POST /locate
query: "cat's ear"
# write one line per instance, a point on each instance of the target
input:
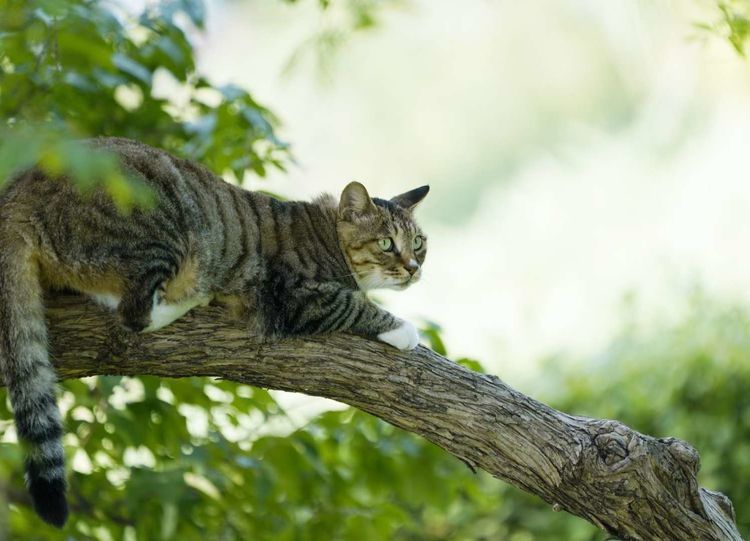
(411, 199)
(355, 200)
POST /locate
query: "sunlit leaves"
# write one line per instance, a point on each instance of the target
(77, 68)
(732, 23)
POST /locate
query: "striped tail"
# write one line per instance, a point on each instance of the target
(31, 381)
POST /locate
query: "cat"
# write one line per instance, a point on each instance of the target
(302, 268)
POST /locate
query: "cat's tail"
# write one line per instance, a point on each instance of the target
(30, 378)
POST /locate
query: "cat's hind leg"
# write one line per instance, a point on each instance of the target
(147, 314)
(178, 296)
(140, 297)
(159, 294)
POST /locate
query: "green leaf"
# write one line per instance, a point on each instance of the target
(471, 364)
(131, 67)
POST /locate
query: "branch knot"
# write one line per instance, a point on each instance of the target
(684, 453)
(613, 442)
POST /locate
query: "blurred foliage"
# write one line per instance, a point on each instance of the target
(732, 23)
(78, 68)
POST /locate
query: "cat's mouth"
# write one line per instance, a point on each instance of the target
(387, 280)
(409, 280)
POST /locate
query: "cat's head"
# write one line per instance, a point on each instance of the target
(384, 246)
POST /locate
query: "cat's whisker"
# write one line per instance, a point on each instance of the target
(344, 276)
(363, 274)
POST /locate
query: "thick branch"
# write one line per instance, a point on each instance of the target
(631, 485)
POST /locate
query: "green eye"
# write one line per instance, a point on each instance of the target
(417, 243)
(385, 244)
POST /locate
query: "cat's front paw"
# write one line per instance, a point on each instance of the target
(404, 337)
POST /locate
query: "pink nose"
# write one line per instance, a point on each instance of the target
(411, 266)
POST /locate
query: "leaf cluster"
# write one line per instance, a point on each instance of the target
(71, 69)
(732, 23)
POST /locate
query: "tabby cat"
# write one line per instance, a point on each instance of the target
(301, 268)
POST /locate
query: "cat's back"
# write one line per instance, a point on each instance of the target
(190, 210)
(179, 190)
(79, 236)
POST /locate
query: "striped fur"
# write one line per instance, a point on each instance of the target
(299, 267)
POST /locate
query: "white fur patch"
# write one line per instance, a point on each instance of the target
(107, 300)
(163, 314)
(404, 337)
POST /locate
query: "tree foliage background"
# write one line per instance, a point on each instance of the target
(203, 459)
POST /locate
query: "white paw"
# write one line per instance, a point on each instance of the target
(163, 314)
(404, 337)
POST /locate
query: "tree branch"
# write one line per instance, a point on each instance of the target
(628, 484)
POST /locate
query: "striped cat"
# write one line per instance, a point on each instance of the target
(301, 268)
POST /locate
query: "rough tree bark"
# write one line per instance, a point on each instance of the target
(630, 485)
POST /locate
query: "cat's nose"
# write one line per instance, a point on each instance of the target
(411, 266)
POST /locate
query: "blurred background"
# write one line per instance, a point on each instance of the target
(588, 225)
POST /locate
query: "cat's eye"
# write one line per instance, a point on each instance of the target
(385, 244)
(417, 242)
